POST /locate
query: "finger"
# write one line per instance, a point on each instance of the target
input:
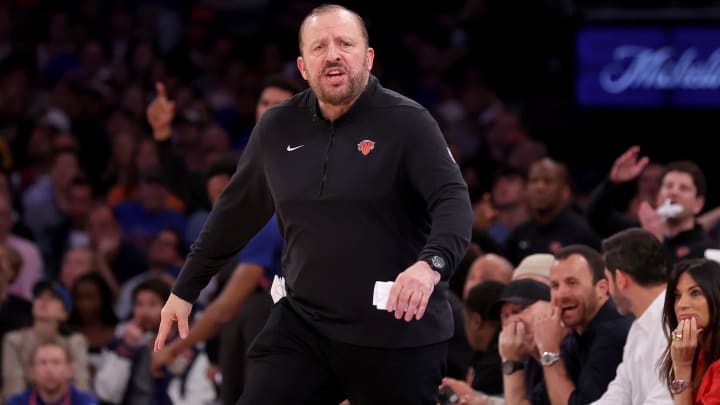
(183, 327)
(424, 299)
(403, 302)
(393, 297)
(520, 331)
(693, 331)
(163, 330)
(643, 162)
(686, 330)
(555, 312)
(160, 88)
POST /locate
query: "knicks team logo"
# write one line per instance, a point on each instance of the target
(366, 146)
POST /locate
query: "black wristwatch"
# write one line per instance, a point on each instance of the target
(511, 366)
(436, 263)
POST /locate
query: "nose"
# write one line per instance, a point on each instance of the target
(333, 52)
(682, 302)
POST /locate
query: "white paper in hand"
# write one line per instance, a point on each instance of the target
(381, 292)
(277, 289)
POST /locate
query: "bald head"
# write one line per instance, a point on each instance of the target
(332, 8)
(488, 267)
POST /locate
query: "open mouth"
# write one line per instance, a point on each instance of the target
(568, 310)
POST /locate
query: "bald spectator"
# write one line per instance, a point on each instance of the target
(488, 267)
(536, 267)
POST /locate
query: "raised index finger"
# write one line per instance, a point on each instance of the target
(161, 92)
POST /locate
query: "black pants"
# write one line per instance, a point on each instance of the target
(291, 363)
(235, 341)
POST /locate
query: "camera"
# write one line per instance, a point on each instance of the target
(448, 396)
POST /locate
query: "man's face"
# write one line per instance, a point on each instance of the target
(335, 59)
(269, 97)
(102, 225)
(163, 250)
(680, 189)
(76, 262)
(527, 316)
(216, 185)
(573, 291)
(146, 310)
(47, 306)
(546, 189)
(622, 302)
(51, 369)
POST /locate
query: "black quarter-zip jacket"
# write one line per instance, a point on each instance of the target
(358, 200)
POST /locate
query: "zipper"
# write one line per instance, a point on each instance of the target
(327, 159)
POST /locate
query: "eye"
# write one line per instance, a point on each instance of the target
(696, 293)
(554, 286)
(318, 47)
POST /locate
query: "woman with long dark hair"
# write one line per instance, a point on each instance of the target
(93, 313)
(691, 365)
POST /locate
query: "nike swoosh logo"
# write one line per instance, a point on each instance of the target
(292, 148)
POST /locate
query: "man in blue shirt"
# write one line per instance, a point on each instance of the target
(52, 372)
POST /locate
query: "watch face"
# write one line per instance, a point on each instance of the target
(549, 358)
(437, 262)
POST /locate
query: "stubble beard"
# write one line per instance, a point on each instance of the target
(355, 85)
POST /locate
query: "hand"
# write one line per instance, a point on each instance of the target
(627, 167)
(411, 291)
(108, 246)
(175, 309)
(160, 359)
(512, 344)
(651, 221)
(133, 335)
(549, 331)
(212, 371)
(460, 388)
(160, 114)
(682, 351)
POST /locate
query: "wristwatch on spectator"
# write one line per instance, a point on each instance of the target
(677, 386)
(549, 358)
(511, 366)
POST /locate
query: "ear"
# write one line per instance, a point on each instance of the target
(621, 279)
(601, 288)
(475, 320)
(301, 67)
(699, 204)
(370, 58)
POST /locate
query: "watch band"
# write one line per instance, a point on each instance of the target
(549, 358)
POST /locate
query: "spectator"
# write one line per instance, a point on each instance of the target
(51, 370)
(683, 183)
(594, 348)
(536, 267)
(124, 375)
(487, 267)
(690, 366)
(31, 269)
(50, 309)
(636, 270)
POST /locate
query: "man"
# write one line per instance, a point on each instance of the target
(536, 267)
(482, 330)
(52, 372)
(487, 267)
(635, 265)
(683, 183)
(386, 202)
(552, 224)
(594, 348)
(521, 302)
(123, 376)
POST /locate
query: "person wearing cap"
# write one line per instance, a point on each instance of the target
(482, 328)
(635, 265)
(578, 366)
(521, 302)
(536, 267)
(51, 307)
